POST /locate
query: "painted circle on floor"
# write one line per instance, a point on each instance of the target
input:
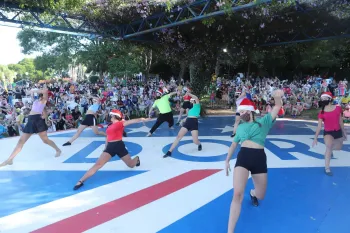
(215, 151)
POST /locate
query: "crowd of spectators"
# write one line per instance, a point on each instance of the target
(69, 101)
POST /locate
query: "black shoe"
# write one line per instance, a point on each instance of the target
(78, 186)
(67, 144)
(200, 147)
(232, 135)
(124, 134)
(138, 162)
(254, 200)
(167, 154)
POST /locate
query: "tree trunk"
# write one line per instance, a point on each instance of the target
(182, 71)
(217, 67)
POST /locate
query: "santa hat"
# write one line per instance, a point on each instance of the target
(160, 91)
(248, 105)
(327, 94)
(117, 113)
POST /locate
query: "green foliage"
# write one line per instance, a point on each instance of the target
(93, 79)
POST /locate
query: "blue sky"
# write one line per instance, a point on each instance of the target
(10, 50)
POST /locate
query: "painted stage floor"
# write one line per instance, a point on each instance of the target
(187, 193)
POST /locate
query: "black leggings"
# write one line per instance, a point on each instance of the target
(168, 117)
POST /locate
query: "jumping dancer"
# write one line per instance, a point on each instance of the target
(114, 146)
(251, 157)
(165, 112)
(191, 124)
(36, 125)
(334, 133)
(186, 105)
(89, 121)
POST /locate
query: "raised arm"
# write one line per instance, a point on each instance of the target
(277, 95)
(193, 96)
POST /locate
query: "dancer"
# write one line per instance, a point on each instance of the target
(89, 121)
(186, 105)
(191, 124)
(238, 117)
(334, 133)
(114, 146)
(36, 125)
(165, 112)
(251, 157)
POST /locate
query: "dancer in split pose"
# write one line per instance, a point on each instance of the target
(89, 121)
(114, 146)
(191, 124)
(36, 125)
(165, 112)
(334, 133)
(251, 157)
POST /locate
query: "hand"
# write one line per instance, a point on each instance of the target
(314, 143)
(227, 167)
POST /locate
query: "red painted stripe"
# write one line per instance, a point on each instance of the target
(114, 209)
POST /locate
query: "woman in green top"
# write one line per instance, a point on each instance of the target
(191, 124)
(251, 157)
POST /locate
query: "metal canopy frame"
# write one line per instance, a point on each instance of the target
(198, 10)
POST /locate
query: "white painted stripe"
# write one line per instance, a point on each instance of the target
(160, 214)
(35, 218)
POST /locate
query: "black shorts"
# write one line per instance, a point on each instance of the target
(335, 134)
(35, 124)
(191, 124)
(90, 120)
(254, 160)
(186, 105)
(116, 148)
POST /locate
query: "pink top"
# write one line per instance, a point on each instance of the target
(346, 113)
(38, 107)
(331, 119)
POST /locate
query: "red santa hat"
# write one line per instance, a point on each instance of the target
(159, 91)
(327, 94)
(248, 105)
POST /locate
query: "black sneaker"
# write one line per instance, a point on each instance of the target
(254, 200)
(232, 135)
(138, 162)
(124, 134)
(167, 154)
(67, 144)
(200, 147)
(78, 186)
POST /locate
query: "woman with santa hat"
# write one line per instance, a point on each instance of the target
(251, 157)
(114, 146)
(334, 133)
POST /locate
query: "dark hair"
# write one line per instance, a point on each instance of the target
(253, 116)
(116, 117)
(40, 95)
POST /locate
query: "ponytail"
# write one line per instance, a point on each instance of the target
(322, 111)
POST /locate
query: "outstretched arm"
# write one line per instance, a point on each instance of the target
(134, 121)
(194, 97)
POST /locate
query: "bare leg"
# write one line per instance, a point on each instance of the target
(104, 158)
(129, 161)
(180, 115)
(23, 139)
(195, 137)
(77, 134)
(97, 132)
(179, 136)
(46, 140)
(260, 184)
(329, 149)
(240, 178)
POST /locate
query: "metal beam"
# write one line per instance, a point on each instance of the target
(13, 14)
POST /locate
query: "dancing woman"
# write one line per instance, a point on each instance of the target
(89, 121)
(334, 133)
(251, 157)
(186, 105)
(191, 124)
(114, 146)
(165, 111)
(36, 125)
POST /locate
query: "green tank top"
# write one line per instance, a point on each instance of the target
(195, 111)
(253, 132)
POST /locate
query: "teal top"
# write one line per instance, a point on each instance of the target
(195, 111)
(251, 131)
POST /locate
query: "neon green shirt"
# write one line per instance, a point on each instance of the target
(163, 104)
(251, 131)
(195, 111)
